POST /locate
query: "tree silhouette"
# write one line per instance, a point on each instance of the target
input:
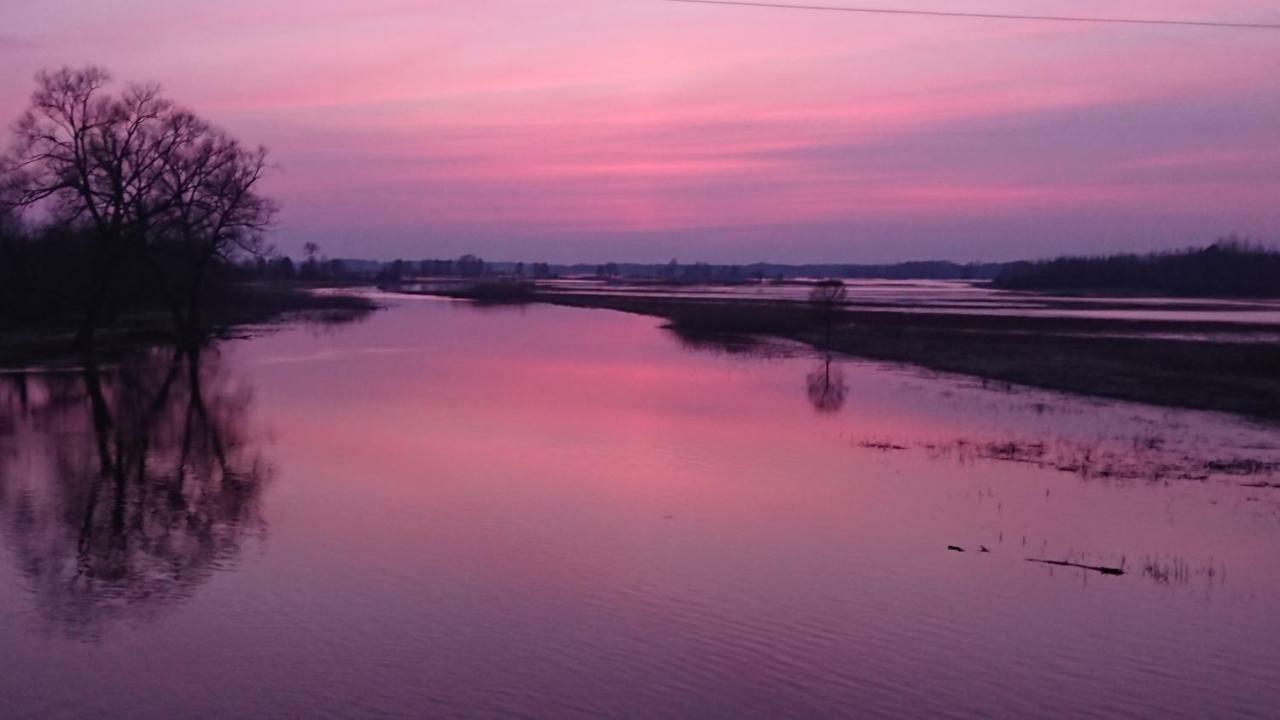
(143, 179)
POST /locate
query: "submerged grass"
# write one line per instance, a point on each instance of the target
(1102, 461)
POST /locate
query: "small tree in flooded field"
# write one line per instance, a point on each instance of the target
(827, 298)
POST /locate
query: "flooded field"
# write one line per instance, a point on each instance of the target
(963, 297)
(1218, 320)
(454, 511)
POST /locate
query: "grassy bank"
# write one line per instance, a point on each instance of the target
(1079, 355)
(239, 306)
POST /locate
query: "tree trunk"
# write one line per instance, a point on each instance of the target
(195, 321)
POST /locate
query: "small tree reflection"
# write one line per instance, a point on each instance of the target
(123, 488)
(827, 388)
(825, 385)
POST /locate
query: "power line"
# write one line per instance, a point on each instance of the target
(990, 16)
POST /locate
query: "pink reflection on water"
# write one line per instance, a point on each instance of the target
(566, 512)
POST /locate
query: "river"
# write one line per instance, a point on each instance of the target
(452, 511)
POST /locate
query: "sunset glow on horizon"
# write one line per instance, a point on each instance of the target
(592, 130)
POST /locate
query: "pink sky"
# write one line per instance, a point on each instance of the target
(642, 130)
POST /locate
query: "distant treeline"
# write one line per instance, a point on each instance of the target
(316, 267)
(1230, 267)
(672, 272)
(708, 272)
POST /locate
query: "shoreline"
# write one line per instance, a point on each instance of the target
(248, 305)
(1117, 359)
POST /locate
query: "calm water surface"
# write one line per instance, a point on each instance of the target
(552, 512)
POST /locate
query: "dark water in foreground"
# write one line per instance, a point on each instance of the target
(553, 512)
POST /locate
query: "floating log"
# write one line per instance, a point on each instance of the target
(1064, 563)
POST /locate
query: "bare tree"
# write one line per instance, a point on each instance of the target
(143, 178)
(212, 214)
(89, 159)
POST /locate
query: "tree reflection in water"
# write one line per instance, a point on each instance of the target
(827, 387)
(123, 488)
